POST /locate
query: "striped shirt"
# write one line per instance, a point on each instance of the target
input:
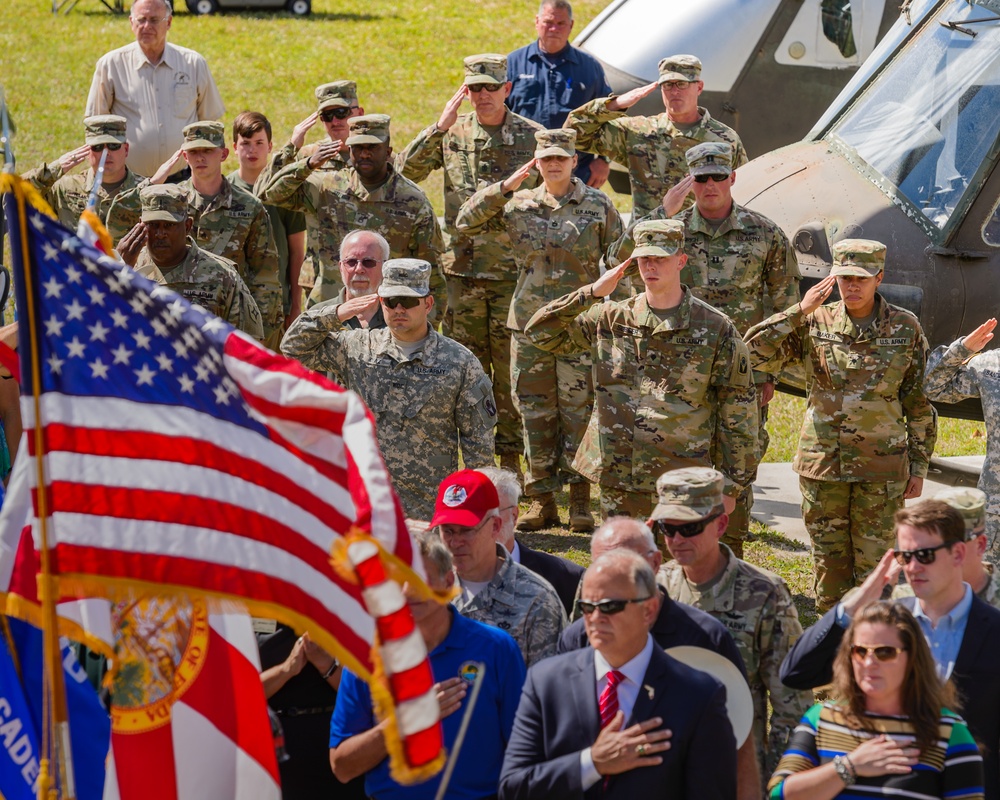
(952, 768)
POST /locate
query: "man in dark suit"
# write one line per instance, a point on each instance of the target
(620, 719)
(562, 573)
(964, 632)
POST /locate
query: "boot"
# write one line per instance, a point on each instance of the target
(580, 518)
(512, 462)
(542, 514)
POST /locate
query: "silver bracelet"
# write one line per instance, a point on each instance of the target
(845, 770)
(333, 668)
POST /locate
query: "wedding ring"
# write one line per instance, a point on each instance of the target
(640, 749)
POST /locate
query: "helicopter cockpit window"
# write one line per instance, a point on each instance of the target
(930, 120)
(837, 25)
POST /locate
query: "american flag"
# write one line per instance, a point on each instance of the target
(182, 456)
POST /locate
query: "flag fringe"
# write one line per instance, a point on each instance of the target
(14, 605)
(103, 237)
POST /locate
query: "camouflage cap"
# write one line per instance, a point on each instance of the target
(165, 202)
(485, 68)
(971, 504)
(658, 237)
(104, 129)
(405, 277)
(200, 135)
(369, 129)
(710, 158)
(343, 94)
(688, 494)
(679, 68)
(862, 257)
(555, 142)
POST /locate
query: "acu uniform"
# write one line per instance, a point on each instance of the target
(480, 266)
(868, 426)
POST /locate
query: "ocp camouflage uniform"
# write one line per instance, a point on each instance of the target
(756, 607)
(652, 148)
(336, 202)
(480, 268)
(668, 393)
(68, 194)
(521, 603)
(868, 427)
(558, 243)
(425, 406)
(209, 281)
(954, 373)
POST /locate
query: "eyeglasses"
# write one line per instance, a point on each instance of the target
(330, 114)
(489, 87)
(676, 84)
(686, 530)
(606, 607)
(147, 20)
(405, 302)
(925, 555)
(713, 177)
(367, 263)
(114, 148)
(882, 652)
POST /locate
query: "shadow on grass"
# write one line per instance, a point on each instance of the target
(555, 541)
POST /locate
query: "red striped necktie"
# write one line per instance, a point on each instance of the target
(608, 701)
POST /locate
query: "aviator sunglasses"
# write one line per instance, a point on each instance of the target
(606, 607)
(925, 555)
(882, 652)
(685, 530)
(342, 112)
(367, 263)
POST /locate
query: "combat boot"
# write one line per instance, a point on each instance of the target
(580, 518)
(542, 514)
(512, 462)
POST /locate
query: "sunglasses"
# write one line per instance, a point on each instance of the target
(882, 652)
(405, 302)
(713, 177)
(606, 607)
(367, 263)
(489, 87)
(330, 114)
(925, 555)
(114, 148)
(685, 530)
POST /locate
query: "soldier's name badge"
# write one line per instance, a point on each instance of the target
(239, 214)
(691, 341)
(888, 341)
(826, 336)
(261, 625)
(626, 330)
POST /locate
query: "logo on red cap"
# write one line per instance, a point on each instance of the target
(454, 496)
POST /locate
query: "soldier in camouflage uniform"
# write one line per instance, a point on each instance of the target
(672, 378)
(753, 604)
(558, 233)
(495, 589)
(869, 428)
(68, 194)
(653, 147)
(370, 195)
(429, 394)
(160, 248)
(475, 150)
(228, 221)
(739, 261)
(959, 371)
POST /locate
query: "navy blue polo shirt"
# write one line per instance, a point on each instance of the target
(477, 771)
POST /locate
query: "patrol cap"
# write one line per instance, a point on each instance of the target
(971, 504)
(658, 237)
(862, 257)
(679, 68)
(710, 158)
(405, 277)
(203, 135)
(555, 142)
(464, 498)
(165, 202)
(485, 68)
(104, 129)
(369, 129)
(343, 94)
(688, 494)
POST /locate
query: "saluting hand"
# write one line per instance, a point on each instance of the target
(450, 113)
(325, 152)
(885, 574)
(617, 750)
(981, 336)
(161, 175)
(299, 131)
(132, 243)
(631, 97)
(519, 176)
(74, 157)
(673, 200)
(817, 295)
(356, 305)
(608, 282)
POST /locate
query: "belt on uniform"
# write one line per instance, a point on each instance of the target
(303, 712)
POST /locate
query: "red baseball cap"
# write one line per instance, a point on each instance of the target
(463, 498)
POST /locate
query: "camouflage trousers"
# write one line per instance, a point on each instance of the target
(555, 397)
(992, 553)
(623, 503)
(477, 318)
(850, 525)
(739, 520)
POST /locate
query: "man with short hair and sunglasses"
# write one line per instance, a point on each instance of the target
(68, 194)
(753, 604)
(428, 393)
(963, 631)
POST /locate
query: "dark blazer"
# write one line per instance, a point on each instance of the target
(976, 675)
(558, 717)
(563, 574)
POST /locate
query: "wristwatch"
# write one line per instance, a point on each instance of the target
(844, 771)
(333, 668)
